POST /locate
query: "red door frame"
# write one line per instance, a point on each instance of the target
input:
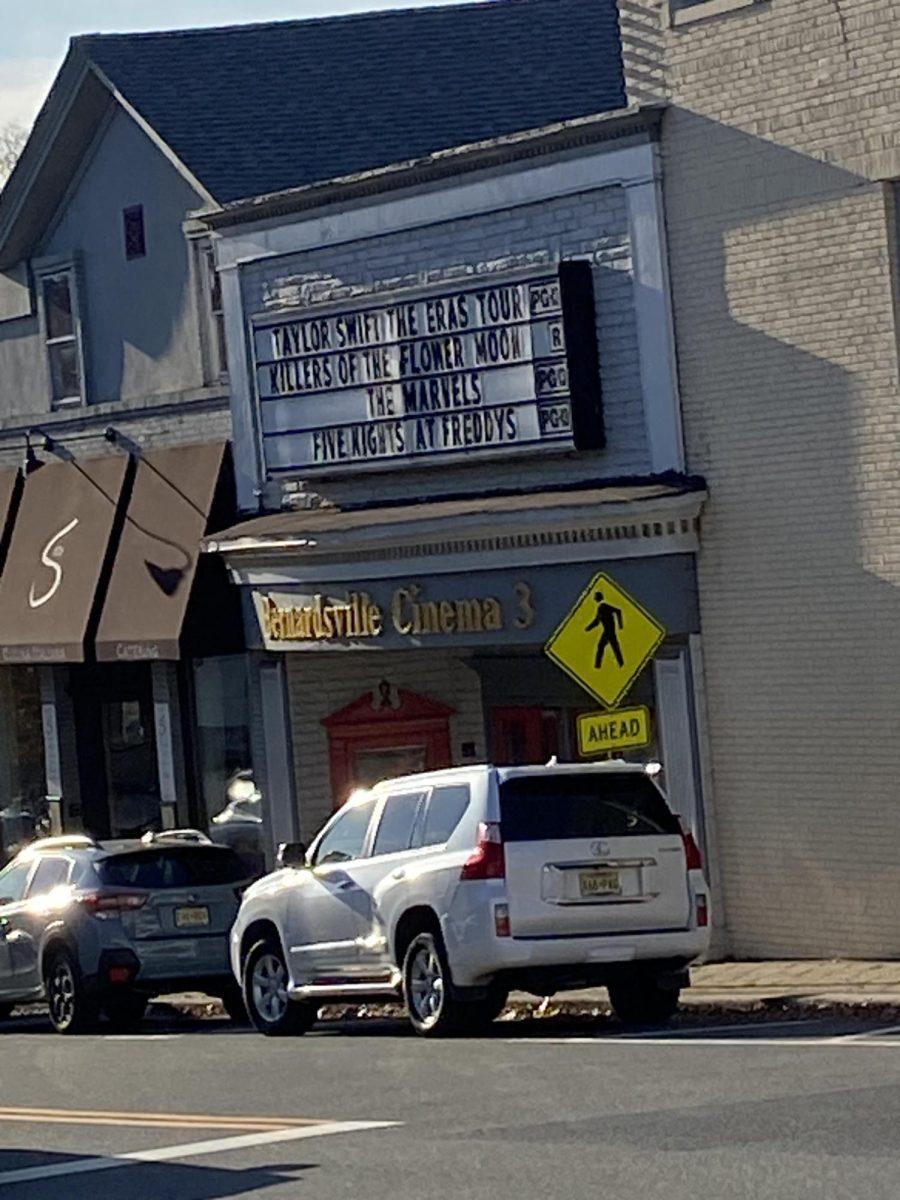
(382, 721)
(541, 732)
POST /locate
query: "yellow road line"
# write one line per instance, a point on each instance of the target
(65, 1116)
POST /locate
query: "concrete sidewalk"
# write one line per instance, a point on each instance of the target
(738, 985)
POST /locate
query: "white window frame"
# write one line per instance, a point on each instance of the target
(43, 272)
(212, 320)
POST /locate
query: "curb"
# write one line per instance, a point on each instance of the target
(694, 1008)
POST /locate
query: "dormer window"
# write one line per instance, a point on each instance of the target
(62, 335)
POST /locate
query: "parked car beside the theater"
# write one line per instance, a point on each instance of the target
(100, 928)
(451, 888)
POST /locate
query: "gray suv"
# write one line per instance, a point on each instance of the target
(99, 928)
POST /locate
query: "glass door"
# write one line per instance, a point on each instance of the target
(129, 749)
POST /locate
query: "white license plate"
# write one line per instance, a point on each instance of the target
(191, 918)
(600, 882)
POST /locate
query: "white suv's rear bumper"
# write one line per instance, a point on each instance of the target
(477, 955)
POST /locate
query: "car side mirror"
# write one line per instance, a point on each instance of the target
(291, 854)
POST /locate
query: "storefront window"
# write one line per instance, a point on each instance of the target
(23, 808)
(231, 799)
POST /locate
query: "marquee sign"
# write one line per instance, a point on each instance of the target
(502, 607)
(503, 364)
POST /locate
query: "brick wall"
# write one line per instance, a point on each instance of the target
(782, 256)
(321, 683)
(186, 422)
(592, 225)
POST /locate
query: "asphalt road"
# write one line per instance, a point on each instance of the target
(549, 1109)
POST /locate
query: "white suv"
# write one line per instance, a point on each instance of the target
(451, 888)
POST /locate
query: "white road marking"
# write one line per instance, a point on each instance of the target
(188, 1150)
(142, 1037)
(866, 1035)
(849, 1041)
(674, 1036)
(695, 1032)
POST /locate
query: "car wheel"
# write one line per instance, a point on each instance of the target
(641, 1001)
(233, 1002)
(72, 1008)
(433, 1007)
(269, 1007)
(125, 1010)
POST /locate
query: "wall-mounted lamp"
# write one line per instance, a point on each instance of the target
(30, 462)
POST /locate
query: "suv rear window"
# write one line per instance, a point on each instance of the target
(535, 808)
(172, 868)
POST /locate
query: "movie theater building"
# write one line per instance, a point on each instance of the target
(458, 447)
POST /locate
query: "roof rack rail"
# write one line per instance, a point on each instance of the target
(63, 841)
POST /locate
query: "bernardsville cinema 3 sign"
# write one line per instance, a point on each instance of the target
(499, 364)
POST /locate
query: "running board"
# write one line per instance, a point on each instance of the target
(386, 989)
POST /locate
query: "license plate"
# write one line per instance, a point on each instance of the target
(191, 918)
(600, 883)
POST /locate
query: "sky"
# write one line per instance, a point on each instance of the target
(34, 44)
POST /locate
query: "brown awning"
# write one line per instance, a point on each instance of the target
(174, 501)
(57, 559)
(10, 496)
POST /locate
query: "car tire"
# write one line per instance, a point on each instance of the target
(72, 1007)
(125, 1010)
(233, 1002)
(432, 1004)
(271, 1010)
(641, 1001)
(6, 1011)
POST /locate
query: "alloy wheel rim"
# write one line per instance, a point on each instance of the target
(62, 994)
(426, 985)
(269, 988)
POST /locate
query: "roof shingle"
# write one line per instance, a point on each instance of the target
(255, 109)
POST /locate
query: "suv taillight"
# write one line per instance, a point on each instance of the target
(111, 904)
(691, 852)
(488, 860)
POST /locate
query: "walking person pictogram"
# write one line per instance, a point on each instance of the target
(610, 619)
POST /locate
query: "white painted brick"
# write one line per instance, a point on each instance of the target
(322, 683)
(782, 260)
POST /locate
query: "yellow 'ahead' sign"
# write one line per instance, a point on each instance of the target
(619, 729)
(606, 640)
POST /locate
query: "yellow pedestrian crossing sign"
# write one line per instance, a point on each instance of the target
(606, 640)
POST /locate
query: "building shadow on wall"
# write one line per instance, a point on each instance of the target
(798, 589)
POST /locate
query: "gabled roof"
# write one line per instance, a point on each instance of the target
(252, 109)
(258, 108)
